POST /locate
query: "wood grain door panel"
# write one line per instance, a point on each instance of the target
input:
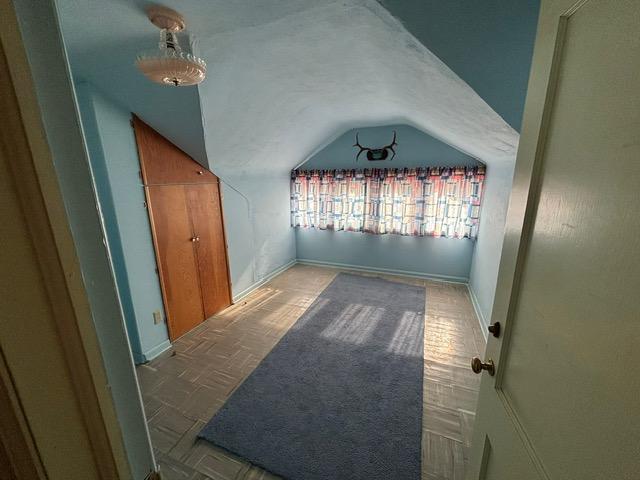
(206, 217)
(177, 258)
(184, 203)
(162, 162)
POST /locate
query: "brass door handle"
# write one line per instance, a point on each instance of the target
(195, 239)
(477, 366)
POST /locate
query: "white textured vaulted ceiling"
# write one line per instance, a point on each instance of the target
(278, 91)
(285, 78)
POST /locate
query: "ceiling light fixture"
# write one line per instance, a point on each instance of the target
(170, 65)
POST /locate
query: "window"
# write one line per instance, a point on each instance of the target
(439, 202)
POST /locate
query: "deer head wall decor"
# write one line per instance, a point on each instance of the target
(375, 154)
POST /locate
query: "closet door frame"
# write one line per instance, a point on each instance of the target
(145, 135)
(224, 239)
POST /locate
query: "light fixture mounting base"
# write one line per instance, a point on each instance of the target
(166, 18)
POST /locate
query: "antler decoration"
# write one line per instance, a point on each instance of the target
(362, 149)
(392, 145)
(374, 154)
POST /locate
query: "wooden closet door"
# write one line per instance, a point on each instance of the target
(162, 162)
(206, 216)
(184, 204)
(177, 258)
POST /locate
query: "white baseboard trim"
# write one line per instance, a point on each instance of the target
(156, 351)
(166, 345)
(476, 306)
(138, 358)
(406, 273)
(263, 280)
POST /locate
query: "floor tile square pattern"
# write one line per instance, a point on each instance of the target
(184, 388)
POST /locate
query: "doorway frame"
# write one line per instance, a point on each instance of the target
(77, 379)
(25, 140)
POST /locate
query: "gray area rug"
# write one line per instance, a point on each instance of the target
(340, 396)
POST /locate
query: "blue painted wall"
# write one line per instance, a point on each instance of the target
(50, 70)
(486, 257)
(115, 166)
(415, 149)
(240, 239)
(487, 43)
(103, 52)
(441, 258)
(257, 223)
(444, 258)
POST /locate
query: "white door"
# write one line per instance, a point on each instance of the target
(565, 399)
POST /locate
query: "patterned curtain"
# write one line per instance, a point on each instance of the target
(440, 201)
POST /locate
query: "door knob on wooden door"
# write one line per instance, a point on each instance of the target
(195, 239)
(477, 366)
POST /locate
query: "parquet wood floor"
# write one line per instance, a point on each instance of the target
(184, 388)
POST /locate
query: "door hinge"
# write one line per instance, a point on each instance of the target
(144, 204)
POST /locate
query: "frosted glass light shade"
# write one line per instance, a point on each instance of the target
(169, 65)
(172, 67)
